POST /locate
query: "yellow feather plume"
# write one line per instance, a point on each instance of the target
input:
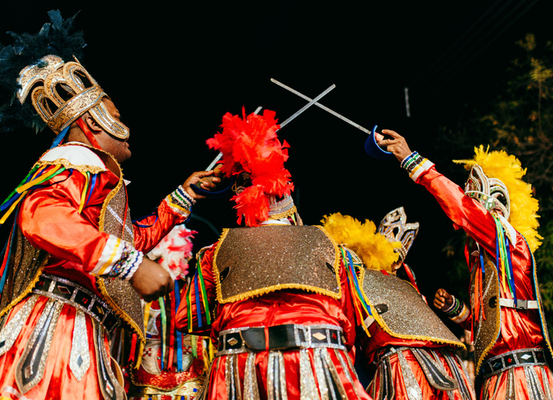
(375, 250)
(524, 207)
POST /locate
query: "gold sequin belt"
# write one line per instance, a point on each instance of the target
(75, 295)
(280, 337)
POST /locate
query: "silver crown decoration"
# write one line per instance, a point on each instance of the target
(395, 228)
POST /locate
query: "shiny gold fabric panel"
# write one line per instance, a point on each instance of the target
(406, 315)
(23, 271)
(253, 261)
(119, 294)
(486, 331)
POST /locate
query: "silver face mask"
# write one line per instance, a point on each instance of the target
(395, 228)
(490, 192)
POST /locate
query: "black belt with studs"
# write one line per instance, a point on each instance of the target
(75, 295)
(279, 337)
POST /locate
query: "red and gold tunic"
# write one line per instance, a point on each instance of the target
(519, 329)
(66, 217)
(233, 373)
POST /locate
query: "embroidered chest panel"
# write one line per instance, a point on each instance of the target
(253, 261)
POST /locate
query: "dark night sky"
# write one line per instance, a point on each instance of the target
(174, 70)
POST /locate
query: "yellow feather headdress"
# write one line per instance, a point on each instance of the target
(376, 251)
(507, 168)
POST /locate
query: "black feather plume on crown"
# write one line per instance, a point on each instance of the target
(56, 37)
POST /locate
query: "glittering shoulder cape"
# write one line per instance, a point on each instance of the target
(401, 312)
(251, 262)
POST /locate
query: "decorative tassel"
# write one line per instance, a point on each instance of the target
(204, 296)
(197, 292)
(178, 339)
(133, 347)
(163, 316)
(172, 329)
(39, 176)
(359, 299)
(503, 260)
(85, 191)
(194, 345)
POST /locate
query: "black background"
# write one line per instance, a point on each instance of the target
(174, 68)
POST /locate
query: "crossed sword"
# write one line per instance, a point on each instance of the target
(301, 110)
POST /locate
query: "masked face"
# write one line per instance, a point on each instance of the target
(490, 192)
(118, 148)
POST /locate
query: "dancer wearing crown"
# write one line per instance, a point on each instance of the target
(409, 352)
(497, 211)
(273, 295)
(73, 271)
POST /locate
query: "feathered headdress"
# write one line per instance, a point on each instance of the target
(250, 145)
(523, 206)
(376, 251)
(55, 38)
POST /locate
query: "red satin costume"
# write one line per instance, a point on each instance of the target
(381, 340)
(52, 217)
(272, 309)
(520, 329)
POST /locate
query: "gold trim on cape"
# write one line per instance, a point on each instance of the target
(100, 281)
(453, 341)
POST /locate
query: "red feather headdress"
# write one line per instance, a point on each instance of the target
(250, 144)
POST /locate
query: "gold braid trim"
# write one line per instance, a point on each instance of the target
(99, 280)
(67, 165)
(489, 264)
(544, 329)
(101, 286)
(28, 290)
(386, 329)
(274, 288)
(284, 214)
(214, 265)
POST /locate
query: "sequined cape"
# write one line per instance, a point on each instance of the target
(518, 329)
(286, 306)
(70, 229)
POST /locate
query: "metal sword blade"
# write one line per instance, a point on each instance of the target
(305, 107)
(321, 106)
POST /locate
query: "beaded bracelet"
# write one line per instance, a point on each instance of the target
(408, 158)
(127, 264)
(455, 308)
(180, 200)
(462, 315)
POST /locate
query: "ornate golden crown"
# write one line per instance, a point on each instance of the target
(395, 228)
(63, 91)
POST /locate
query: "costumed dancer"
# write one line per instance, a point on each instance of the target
(173, 365)
(408, 350)
(273, 295)
(497, 211)
(72, 271)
